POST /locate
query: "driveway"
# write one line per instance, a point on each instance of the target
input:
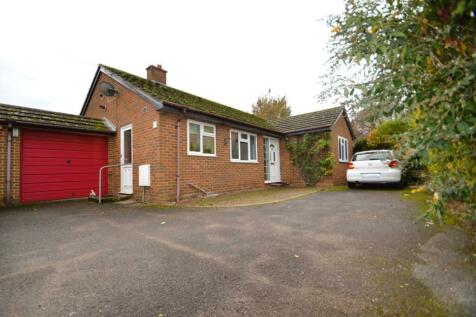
(326, 254)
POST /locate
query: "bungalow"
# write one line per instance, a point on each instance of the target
(190, 145)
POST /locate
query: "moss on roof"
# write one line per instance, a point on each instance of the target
(166, 94)
(322, 119)
(31, 116)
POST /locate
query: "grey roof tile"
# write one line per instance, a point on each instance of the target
(31, 116)
(321, 119)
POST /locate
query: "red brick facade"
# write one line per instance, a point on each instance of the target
(154, 137)
(158, 147)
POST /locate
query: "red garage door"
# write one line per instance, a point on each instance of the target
(60, 165)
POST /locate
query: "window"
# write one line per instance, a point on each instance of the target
(201, 138)
(343, 149)
(243, 147)
(127, 146)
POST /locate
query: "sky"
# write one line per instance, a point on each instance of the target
(231, 52)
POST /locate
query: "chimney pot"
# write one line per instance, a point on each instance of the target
(157, 73)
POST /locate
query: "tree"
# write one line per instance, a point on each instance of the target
(387, 135)
(415, 60)
(271, 108)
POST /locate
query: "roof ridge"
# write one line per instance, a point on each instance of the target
(307, 113)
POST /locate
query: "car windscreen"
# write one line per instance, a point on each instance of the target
(372, 156)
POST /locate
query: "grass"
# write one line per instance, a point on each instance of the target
(255, 197)
(421, 198)
(334, 188)
(396, 292)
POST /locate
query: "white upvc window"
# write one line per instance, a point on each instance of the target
(343, 144)
(201, 138)
(243, 147)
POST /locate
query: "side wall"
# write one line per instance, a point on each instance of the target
(124, 109)
(340, 129)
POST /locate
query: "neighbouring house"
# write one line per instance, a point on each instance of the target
(184, 145)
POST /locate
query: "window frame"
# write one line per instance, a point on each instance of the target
(202, 134)
(248, 141)
(346, 142)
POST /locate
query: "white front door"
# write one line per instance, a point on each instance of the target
(126, 159)
(272, 161)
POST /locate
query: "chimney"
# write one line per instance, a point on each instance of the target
(156, 73)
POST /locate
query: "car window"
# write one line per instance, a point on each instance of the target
(372, 156)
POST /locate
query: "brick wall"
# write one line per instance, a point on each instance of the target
(123, 109)
(157, 147)
(340, 129)
(3, 160)
(290, 173)
(15, 166)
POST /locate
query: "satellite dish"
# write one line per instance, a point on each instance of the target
(107, 89)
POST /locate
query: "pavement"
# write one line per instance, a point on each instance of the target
(346, 253)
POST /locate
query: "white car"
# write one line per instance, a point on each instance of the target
(374, 167)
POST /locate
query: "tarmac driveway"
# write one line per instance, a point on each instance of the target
(328, 254)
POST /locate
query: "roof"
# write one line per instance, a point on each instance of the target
(318, 120)
(36, 117)
(175, 97)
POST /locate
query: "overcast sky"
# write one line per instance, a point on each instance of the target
(230, 52)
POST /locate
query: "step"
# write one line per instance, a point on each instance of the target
(278, 184)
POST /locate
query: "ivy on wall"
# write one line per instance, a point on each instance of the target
(312, 156)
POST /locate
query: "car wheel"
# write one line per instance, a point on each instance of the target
(351, 185)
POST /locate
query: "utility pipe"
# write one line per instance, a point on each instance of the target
(9, 164)
(177, 176)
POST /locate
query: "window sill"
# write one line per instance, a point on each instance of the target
(247, 162)
(201, 154)
(341, 161)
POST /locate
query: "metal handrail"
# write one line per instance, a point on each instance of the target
(100, 178)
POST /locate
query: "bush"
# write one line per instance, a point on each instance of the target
(311, 155)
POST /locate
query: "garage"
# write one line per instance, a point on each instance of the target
(60, 165)
(47, 156)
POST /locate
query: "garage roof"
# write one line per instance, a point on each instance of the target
(36, 117)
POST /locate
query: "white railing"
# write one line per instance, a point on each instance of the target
(100, 178)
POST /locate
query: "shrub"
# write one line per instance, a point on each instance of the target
(311, 155)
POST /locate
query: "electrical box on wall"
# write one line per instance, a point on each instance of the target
(144, 175)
